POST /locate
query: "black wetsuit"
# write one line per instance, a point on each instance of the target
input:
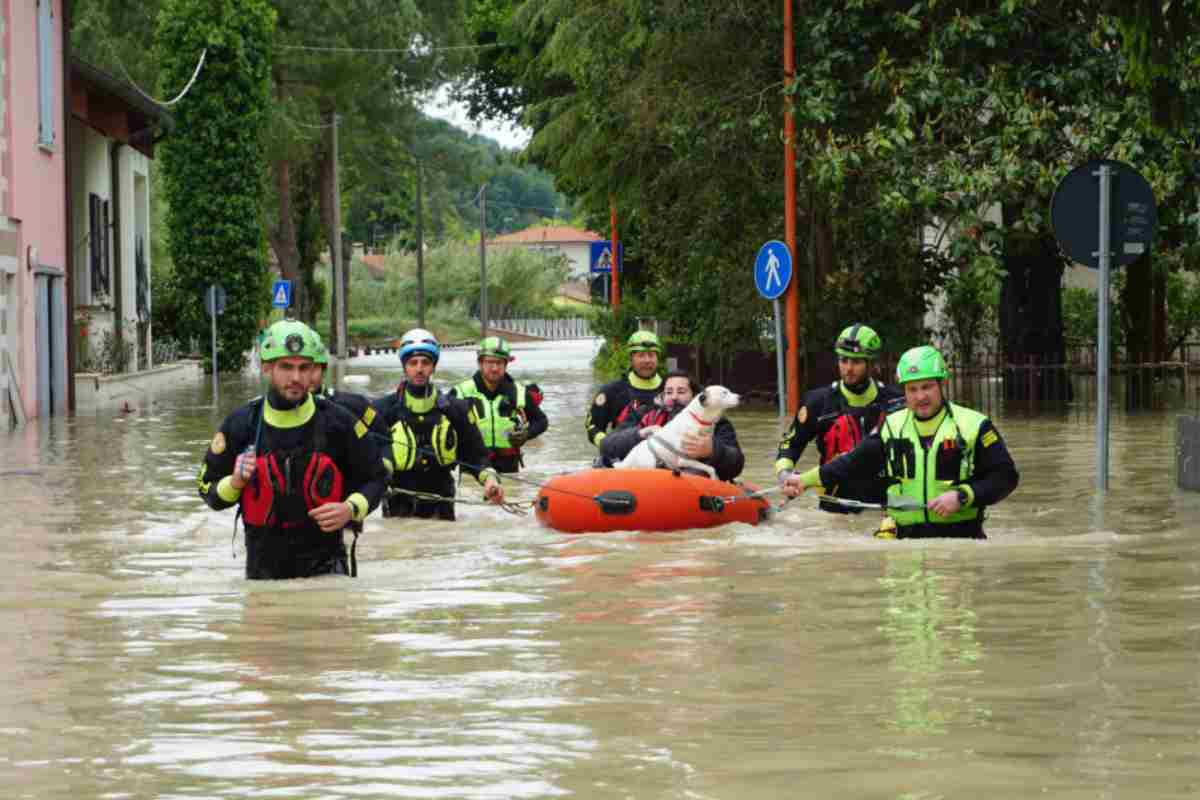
(295, 546)
(431, 470)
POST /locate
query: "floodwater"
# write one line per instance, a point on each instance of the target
(491, 658)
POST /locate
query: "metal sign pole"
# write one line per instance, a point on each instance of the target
(214, 345)
(779, 345)
(1105, 259)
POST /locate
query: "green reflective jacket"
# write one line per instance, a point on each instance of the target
(496, 417)
(920, 472)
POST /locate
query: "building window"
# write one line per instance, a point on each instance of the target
(98, 246)
(45, 29)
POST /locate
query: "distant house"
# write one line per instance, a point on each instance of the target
(33, 215)
(112, 137)
(572, 243)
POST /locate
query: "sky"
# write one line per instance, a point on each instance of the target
(442, 107)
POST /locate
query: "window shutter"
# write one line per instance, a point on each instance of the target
(45, 24)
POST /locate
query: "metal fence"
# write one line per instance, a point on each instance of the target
(565, 328)
(1031, 384)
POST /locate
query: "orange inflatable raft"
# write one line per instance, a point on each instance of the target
(601, 500)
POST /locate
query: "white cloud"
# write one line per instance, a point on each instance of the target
(440, 105)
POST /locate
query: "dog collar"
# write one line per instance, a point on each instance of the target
(698, 419)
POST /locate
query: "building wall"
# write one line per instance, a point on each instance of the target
(37, 182)
(8, 244)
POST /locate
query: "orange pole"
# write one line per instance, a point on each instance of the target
(792, 315)
(616, 253)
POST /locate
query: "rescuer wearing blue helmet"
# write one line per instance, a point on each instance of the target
(431, 434)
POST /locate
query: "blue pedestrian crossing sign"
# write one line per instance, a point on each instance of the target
(600, 258)
(281, 294)
(773, 269)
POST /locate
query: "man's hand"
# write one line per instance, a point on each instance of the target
(649, 431)
(794, 485)
(697, 445)
(945, 504)
(243, 470)
(332, 517)
(493, 491)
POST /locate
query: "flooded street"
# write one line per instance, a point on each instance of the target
(492, 658)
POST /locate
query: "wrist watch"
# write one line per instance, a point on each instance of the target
(962, 496)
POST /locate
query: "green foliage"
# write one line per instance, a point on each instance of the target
(212, 166)
(971, 297)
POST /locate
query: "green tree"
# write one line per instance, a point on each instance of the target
(212, 167)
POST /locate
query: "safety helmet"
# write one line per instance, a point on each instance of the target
(287, 337)
(858, 341)
(922, 363)
(321, 352)
(643, 342)
(419, 340)
(495, 347)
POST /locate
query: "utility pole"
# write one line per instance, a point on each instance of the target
(420, 254)
(616, 254)
(339, 294)
(483, 303)
(792, 300)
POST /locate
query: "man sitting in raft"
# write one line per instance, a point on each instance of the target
(946, 456)
(718, 448)
(615, 401)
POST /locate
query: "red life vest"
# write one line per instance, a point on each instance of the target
(841, 437)
(656, 416)
(288, 484)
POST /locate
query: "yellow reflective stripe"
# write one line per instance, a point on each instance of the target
(369, 415)
(202, 484)
(291, 418)
(966, 487)
(989, 438)
(360, 505)
(360, 430)
(227, 491)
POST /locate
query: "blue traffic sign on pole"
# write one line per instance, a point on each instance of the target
(773, 269)
(281, 294)
(600, 256)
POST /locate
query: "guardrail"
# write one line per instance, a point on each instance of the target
(564, 328)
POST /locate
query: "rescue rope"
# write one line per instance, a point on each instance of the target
(517, 507)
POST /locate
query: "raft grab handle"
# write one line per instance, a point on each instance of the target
(616, 502)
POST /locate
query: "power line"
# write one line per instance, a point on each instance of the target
(163, 103)
(337, 49)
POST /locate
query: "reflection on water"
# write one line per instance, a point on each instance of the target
(493, 658)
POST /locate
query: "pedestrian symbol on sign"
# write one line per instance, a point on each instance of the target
(773, 272)
(281, 294)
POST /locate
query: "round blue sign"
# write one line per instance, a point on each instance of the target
(773, 269)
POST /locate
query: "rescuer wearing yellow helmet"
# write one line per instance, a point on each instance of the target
(509, 411)
(947, 461)
(301, 469)
(615, 401)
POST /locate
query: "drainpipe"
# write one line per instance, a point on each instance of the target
(69, 235)
(115, 223)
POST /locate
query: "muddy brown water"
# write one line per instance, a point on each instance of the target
(492, 658)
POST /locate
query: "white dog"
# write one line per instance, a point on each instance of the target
(666, 446)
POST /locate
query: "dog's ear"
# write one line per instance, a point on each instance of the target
(703, 398)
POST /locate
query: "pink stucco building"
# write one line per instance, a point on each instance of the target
(33, 212)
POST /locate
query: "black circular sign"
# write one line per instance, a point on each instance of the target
(1075, 214)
